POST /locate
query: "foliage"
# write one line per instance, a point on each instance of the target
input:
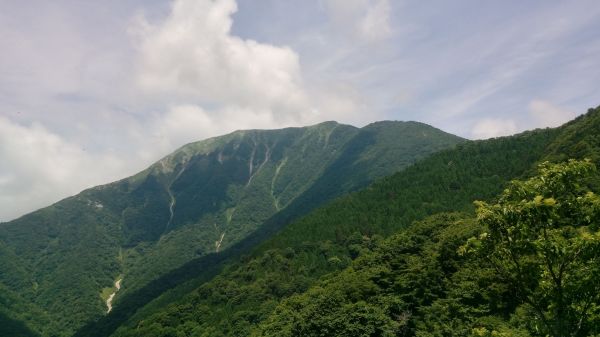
(444, 293)
(329, 238)
(385, 286)
(60, 258)
(332, 266)
(535, 271)
(544, 241)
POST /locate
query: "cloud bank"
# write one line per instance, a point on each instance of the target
(38, 166)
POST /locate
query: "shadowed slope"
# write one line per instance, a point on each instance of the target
(206, 196)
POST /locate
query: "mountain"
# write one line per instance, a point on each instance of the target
(334, 269)
(60, 264)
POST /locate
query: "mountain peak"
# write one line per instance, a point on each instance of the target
(199, 200)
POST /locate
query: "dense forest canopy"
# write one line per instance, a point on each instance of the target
(63, 261)
(487, 238)
(313, 250)
(531, 269)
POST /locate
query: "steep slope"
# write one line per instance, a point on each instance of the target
(245, 295)
(201, 199)
(420, 282)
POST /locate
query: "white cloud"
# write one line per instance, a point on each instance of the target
(183, 123)
(192, 57)
(546, 114)
(212, 82)
(38, 166)
(493, 127)
(192, 79)
(368, 20)
(187, 123)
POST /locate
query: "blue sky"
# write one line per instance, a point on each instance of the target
(91, 92)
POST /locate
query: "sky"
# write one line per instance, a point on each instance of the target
(94, 91)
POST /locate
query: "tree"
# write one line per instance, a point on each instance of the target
(543, 240)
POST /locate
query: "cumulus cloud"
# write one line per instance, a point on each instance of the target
(191, 56)
(546, 114)
(368, 20)
(38, 167)
(212, 82)
(185, 123)
(493, 127)
(193, 79)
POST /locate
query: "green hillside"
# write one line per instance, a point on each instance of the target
(333, 267)
(63, 260)
(428, 280)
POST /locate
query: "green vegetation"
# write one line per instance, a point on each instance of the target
(409, 255)
(543, 240)
(105, 293)
(17, 315)
(534, 272)
(205, 197)
(384, 290)
(333, 273)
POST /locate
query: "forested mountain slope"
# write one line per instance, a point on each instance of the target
(527, 266)
(59, 263)
(249, 296)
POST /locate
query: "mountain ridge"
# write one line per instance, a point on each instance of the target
(318, 245)
(203, 197)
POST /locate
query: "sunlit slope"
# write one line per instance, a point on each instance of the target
(245, 296)
(201, 199)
